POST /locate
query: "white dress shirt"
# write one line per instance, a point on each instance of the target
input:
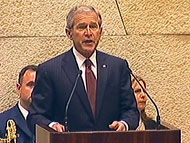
(80, 61)
(22, 110)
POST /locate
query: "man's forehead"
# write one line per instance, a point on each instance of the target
(86, 16)
(29, 73)
(136, 84)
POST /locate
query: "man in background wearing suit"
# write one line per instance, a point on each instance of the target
(19, 112)
(103, 98)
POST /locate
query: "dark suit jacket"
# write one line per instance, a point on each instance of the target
(55, 80)
(14, 113)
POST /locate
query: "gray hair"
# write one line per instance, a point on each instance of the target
(78, 9)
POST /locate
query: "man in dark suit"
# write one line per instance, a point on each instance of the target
(19, 112)
(103, 98)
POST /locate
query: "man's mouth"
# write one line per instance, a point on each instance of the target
(142, 102)
(88, 42)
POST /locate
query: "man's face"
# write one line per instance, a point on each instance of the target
(85, 33)
(26, 88)
(140, 95)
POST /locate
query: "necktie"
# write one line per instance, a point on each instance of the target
(90, 84)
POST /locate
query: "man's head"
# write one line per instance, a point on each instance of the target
(25, 85)
(141, 97)
(84, 29)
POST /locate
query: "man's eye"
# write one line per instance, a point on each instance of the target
(81, 27)
(93, 26)
(31, 84)
(137, 91)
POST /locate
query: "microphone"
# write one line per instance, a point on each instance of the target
(69, 100)
(145, 91)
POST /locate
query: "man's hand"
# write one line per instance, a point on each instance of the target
(118, 126)
(58, 127)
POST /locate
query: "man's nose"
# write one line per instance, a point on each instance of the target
(142, 94)
(88, 31)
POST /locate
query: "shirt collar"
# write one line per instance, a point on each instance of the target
(80, 58)
(23, 111)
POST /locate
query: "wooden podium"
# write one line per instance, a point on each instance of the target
(167, 134)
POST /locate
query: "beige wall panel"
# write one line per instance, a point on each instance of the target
(15, 53)
(156, 16)
(163, 61)
(47, 18)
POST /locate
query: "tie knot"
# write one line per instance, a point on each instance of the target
(88, 63)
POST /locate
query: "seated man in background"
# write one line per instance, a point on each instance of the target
(141, 97)
(19, 112)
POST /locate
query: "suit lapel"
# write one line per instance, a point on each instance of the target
(102, 79)
(69, 66)
(21, 122)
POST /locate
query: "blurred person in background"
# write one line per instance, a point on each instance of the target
(141, 97)
(19, 112)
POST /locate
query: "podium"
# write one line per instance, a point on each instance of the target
(167, 134)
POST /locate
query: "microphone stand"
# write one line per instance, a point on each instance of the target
(69, 100)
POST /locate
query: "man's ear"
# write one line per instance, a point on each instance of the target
(69, 33)
(18, 86)
(101, 31)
